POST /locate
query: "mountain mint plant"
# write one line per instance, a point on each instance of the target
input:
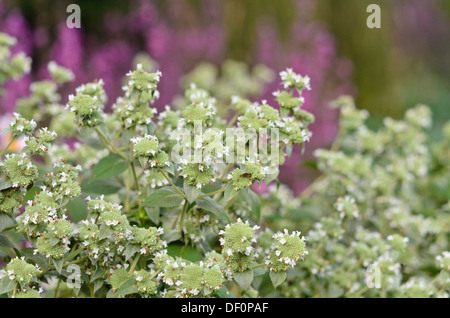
(161, 194)
(142, 203)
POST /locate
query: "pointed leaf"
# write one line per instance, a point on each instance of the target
(230, 193)
(277, 278)
(213, 207)
(130, 250)
(128, 287)
(223, 292)
(6, 285)
(5, 242)
(191, 192)
(110, 166)
(153, 214)
(165, 197)
(244, 279)
(58, 264)
(5, 221)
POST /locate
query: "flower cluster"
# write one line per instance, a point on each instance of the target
(189, 226)
(148, 150)
(141, 90)
(11, 66)
(20, 271)
(380, 184)
(88, 103)
(20, 126)
(237, 245)
(18, 170)
(286, 251)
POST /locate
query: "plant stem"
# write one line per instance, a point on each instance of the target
(211, 193)
(65, 265)
(57, 289)
(183, 213)
(134, 263)
(127, 199)
(154, 274)
(232, 120)
(9, 144)
(174, 186)
(228, 167)
(81, 249)
(133, 169)
(226, 207)
(123, 147)
(91, 290)
(358, 293)
(10, 228)
(312, 187)
(109, 145)
(258, 266)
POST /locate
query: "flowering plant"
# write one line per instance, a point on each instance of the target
(169, 208)
(141, 203)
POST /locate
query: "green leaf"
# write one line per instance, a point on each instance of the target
(6, 285)
(153, 214)
(230, 193)
(191, 192)
(171, 236)
(38, 259)
(143, 161)
(312, 164)
(258, 271)
(272, 177)
(31, 193)
(98, 284)
(111, 294)
(58, 264)
(224, 292)
(128, 287)
(165, 197)
(5, 184)
(5, 221)
(110, 166)
(170, 169)
(104, 232)
(277, 278)
(212, 206)
(289, 150)
(335, 291)
(130, 250)
(99, 187)
(244, 279)
(5, 242)
(98, 274)
(54, 241)
(184, 251)
(254, 201)
(77, 209)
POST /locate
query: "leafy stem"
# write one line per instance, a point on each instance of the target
(133, 266)
(173, 185)
(211, 193)
(7, 146)
(109, 145)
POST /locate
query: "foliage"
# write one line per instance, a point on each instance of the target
(162, 206)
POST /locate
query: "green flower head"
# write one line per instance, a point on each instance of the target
(20, 271)
(20, 126)
(19, 170)
(10, 200)
(286, 251)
